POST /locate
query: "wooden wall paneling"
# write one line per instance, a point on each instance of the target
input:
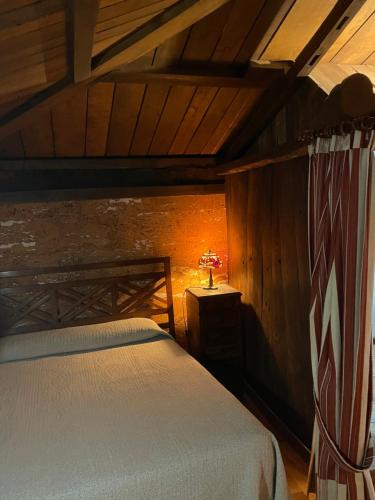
(30, 12)
(38, 138)
(267, 237)
(199, 104)
(240, 106)
(236, 205)
(127, 101)
(300, 181)
(12, 147)
(69, 124)
(175, 107)
(214, 114)
(99, 107)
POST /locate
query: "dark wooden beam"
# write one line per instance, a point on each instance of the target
(81, 22)
(341, 23)
(106, 193)
(280, 154)
(23, 184)
(255, 78)
(108, 163)
(274, 98)
(173, 20)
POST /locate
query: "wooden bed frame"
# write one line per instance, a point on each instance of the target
(53, 297)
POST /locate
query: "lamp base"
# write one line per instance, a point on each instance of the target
(210, 288)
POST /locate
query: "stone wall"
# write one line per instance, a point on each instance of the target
(182, 227)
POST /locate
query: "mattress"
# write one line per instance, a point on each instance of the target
(142, 421)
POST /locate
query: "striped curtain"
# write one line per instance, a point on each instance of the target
(341, 241)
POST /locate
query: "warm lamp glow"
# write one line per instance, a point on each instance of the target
(210, 260)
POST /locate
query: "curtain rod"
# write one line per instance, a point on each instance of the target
(365, 122)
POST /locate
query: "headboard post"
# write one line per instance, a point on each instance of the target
(168, 281)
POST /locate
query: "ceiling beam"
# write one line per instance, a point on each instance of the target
(167, 24)
(255, 78)
(53, 195)
(277, 94)
(107, 163)
(153, 33)
(341, 23)
(280, 154)
(23, 185)
(81, 22)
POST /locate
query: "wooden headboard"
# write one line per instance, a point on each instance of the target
(55, 297)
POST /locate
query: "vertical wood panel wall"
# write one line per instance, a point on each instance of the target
(268, 262)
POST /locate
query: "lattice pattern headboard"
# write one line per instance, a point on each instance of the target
(53, 297)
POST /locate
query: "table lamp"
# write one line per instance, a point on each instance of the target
(210, 260)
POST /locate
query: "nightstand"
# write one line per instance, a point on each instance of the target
(214, 331)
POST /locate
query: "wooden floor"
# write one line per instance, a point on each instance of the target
(295, 461)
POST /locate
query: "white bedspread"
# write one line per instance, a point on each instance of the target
(137, 422)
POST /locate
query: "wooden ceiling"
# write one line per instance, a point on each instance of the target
(167, 77)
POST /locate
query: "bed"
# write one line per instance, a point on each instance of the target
(116, 409)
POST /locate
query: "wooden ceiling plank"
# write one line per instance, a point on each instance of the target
(148, 37)
(38, 138)
(240, 18)
(136, 15)
(302, 21)
(337, 20)
(155, 96)
(242, 103)
(152, 107)
(199, 104)
(99, 106)
(29, 13)
(360, 46)
(25, 78)
(175, 108)
(359, 20)
(278, 93)
(127, 101)
(38, 24)
(81, 24)
(171, 21)
(204, 36)
(12, 147)
(170, 52)
(266, 24)
(69, 124)
(214, 114)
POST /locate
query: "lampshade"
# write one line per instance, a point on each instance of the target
(210, 260)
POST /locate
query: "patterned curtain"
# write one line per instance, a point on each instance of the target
(341, 241)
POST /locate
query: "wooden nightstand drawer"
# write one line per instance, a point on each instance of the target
(214, 323)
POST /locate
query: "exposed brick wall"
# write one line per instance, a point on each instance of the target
(91, 231)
